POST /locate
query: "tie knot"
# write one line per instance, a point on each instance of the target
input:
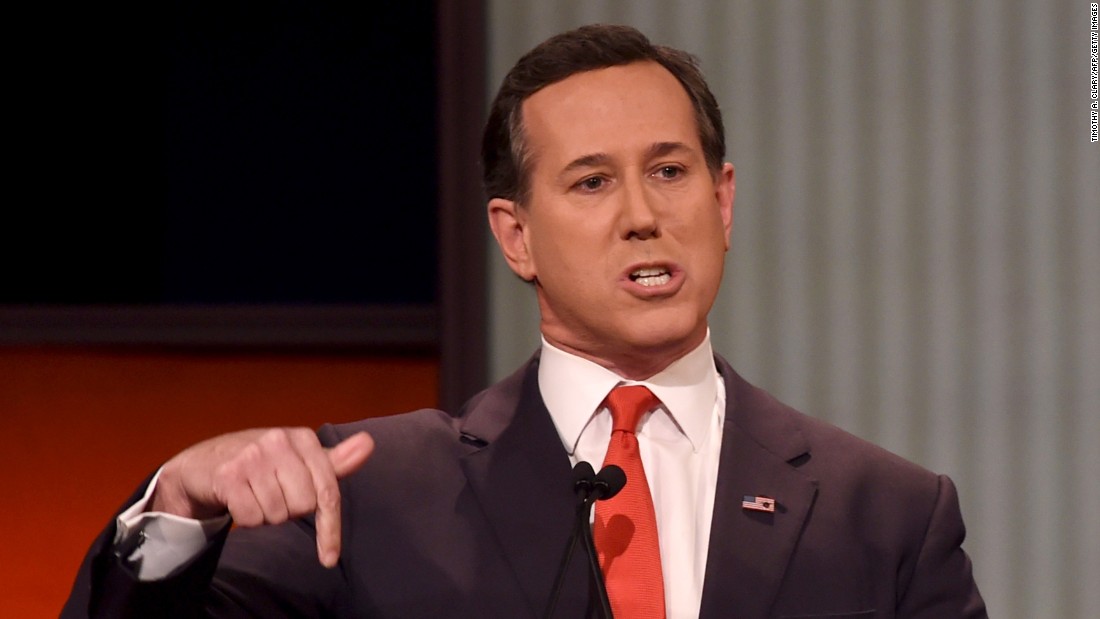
(628, 404)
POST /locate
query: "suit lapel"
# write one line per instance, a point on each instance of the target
(750, 550)
(521, 476)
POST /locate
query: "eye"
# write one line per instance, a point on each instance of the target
(592, 183)
(670, 172)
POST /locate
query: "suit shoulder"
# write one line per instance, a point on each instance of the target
(820, 449)
(423, 426)
(888, 499)
(854, 471)
(850, 452)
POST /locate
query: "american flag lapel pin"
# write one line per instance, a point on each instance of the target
(758, 504)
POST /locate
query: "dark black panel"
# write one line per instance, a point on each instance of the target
(228, 152)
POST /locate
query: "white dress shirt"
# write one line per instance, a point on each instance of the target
(680, 443)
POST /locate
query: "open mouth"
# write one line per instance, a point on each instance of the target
(651, 276)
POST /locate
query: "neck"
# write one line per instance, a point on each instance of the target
(635, 363)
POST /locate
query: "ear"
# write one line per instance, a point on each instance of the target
(508, 223)
(725, 186)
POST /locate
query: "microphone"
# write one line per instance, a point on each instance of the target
(583, 478)
(589, 487)
(608, 482)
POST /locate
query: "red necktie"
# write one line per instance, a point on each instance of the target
(625, 529)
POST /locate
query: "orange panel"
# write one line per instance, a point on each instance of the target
(79, 429)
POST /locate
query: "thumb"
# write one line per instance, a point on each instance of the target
(351, 453)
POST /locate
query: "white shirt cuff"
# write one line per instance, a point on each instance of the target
(167, 541)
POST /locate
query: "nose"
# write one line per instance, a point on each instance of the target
(638, 219)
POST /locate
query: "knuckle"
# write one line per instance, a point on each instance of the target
(328, 498)
(303, 436)
(229, 473)
(246, 516)
(275, 438)
(251, 453)
(272, 505)
(278, 516)
(298, 506)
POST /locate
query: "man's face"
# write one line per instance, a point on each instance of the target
(626, 227)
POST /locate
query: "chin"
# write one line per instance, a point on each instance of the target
(668, 333)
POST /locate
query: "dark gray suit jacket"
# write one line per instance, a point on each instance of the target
(468, 516)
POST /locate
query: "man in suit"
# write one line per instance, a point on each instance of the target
(604, 166)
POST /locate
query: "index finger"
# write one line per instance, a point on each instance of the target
(326, 467)
(327, 521)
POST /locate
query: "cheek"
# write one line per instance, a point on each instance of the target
(556, 260)
(568, 246)
(708, 251)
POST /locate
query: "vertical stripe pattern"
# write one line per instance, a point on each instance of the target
(916, 252)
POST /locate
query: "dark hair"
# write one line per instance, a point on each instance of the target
(504, 157)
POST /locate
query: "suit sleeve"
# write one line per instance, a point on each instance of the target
(108, 586)
(942, 583)
(269, 571)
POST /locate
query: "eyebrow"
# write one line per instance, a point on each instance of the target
(586, 161)
(661, 149)
(658, 149)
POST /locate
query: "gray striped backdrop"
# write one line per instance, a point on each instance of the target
(916, 247)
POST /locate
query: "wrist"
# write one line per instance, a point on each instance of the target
(170, 496)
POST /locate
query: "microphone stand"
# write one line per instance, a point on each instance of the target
(591, 488)
(594, 561)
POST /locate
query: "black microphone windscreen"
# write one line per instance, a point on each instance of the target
(583, 475)
(610, 481)
(583, 470)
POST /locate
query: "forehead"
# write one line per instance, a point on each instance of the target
(615, 112)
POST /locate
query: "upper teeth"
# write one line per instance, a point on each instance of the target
(651, 276)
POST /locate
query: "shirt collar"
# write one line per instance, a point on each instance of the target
(573, 388)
